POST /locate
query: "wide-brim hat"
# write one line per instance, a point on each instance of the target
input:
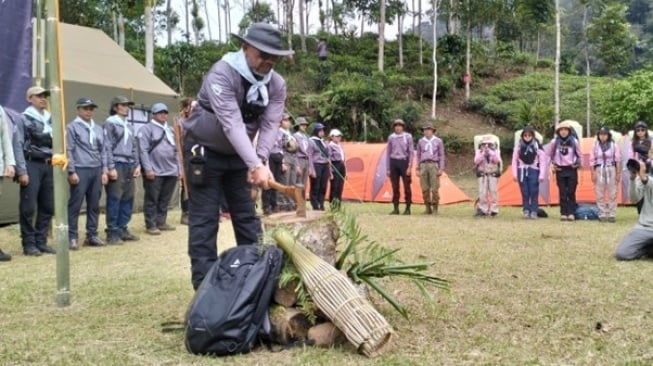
(301, 121)
(428, 126)
(265, 38)
(563, 124)
(121, 99)
(399, 121)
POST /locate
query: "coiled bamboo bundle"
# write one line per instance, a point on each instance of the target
(338, 298)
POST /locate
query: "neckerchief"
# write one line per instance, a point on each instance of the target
(116, 120)
(429, 144)
(167, 130)
(259, 88)
(90, 127)
(43, 118)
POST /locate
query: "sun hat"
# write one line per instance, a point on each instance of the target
(399, 121)
(563, 124)
(37, 90)
(120, 99)
(159, 107)
(428, 126)
(301, 121)
(265, 38)
(641, 124)
(85, 102)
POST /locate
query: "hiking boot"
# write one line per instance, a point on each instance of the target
(428, 210)
(4, 257)
(46, 249)
(612, 219)
(479, 213)
(395, 211)
(153, 231)
(494, 214)
(184, 219)
(407, 210)
(32, 251)
(125, 235)
(166, 227)
(435, 209)
(93, 241)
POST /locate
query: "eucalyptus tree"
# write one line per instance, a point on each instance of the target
(302, 25)
(381, 33)
(556, 73)
(257, 12)
(434, 21)
(149, 36)
(198, 23)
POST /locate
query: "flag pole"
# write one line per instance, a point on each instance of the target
(54, 83)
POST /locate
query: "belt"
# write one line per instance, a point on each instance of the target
(47, 161)
(303, 157)
(429, 162)
(607, 165)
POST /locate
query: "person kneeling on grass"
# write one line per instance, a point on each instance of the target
(638, 243)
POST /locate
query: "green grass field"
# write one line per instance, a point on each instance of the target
(523, 293)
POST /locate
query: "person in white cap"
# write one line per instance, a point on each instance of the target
(240, 96)
(487, 170)
(7, 161)
(161, 168)
(564, 153)
(33, 153)
(338, 170)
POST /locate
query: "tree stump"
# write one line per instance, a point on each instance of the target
(318, 232)
(288, 324)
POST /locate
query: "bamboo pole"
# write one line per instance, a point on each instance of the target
(55, 85)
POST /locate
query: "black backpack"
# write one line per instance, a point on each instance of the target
(231, 305)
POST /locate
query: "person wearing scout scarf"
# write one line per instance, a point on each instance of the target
(564, 153)
(529, 170)
(87, 172)
(304, 152)
(338, 169)
(430, 165)
(124, 167)
(240, 96)
(33, 153)
(605, 162)
(399, 161)
(487, 160)
(161, 169)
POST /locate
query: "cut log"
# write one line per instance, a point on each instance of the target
(326, 335)
(288, 324)
(286, 295)
(318, 232)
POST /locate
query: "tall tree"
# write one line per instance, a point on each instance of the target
(149, 36)
(556, 73)
(302, 26)
(610, 33)
(434, 22)
(198, 23)
(381, 33)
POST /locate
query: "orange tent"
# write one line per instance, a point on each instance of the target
(510, 195)
(367, 179)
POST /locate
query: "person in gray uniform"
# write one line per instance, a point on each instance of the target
(7, 161)
(124, 167)
(399, 161)
(87, 172)
(240, 96)
(638, 243)
(304, 152)
(33, 152)
(161, 169)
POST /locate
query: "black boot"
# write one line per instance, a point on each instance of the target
(407, 210)
(113, 237)
(435, 209)
(395, 211)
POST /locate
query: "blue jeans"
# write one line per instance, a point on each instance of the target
(530, 188)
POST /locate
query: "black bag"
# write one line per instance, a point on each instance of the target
(195, 172)
(230, 306)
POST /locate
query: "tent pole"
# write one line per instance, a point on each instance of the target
(55, 85)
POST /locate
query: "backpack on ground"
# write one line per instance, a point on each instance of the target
(231, 305)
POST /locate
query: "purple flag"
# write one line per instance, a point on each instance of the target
(16, 55)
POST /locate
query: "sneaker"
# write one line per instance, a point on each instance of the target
(571, 218)
(479, 213)
(612, 219)
(166, 227)
(125, 235)
(93, 241)
(44, 248)
(563, 217)
(526, 215)
(534, 216)
(494, 214)
(4, 257)
(153, 231)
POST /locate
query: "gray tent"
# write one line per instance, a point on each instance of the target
(95, 66)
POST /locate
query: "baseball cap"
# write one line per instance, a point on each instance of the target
(335, 132)
(37, 90)
(159, 107)
(85, 102)
(120, 99)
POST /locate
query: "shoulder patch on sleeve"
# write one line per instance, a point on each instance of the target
(216, 88)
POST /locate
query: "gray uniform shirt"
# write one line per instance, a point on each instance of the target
(157, 153)
(638, 190)
(217, 123)
(304, 149)
(6, 150)
(400, 146)
(80, 151)
(118, 150)
(30, 140)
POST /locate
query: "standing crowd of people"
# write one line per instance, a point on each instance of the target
(236, 137)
